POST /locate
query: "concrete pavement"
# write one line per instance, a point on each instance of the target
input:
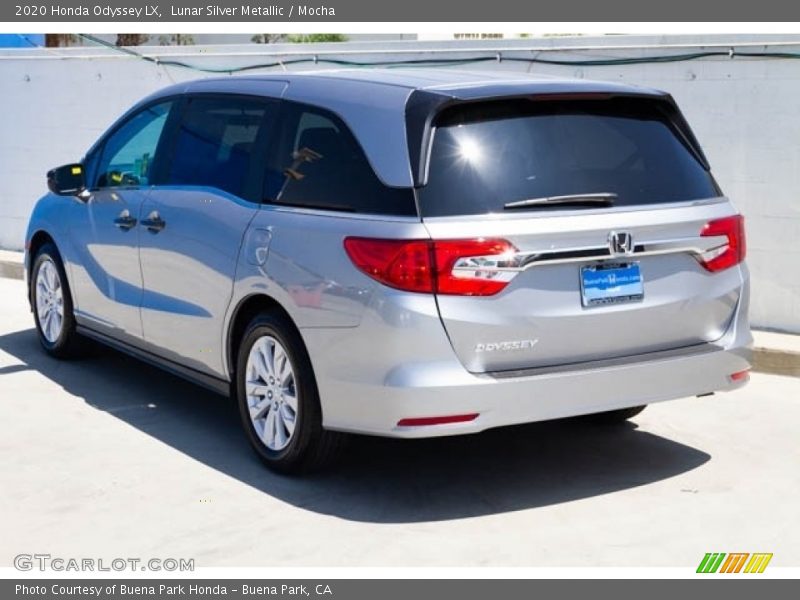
(11, 264)
(108, 457)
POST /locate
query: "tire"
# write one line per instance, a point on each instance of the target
(614, 417)
(285, 428)
(51, 302)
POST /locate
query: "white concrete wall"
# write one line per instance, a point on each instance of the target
(54, 104)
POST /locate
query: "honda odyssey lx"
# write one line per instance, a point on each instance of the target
(402, 253)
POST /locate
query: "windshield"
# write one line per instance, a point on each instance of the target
(485, 156)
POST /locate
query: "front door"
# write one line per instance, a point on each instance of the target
(107, 278)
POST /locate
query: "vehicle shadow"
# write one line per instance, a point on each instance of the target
(377, 480)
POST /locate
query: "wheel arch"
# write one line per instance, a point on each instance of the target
(245, 311)
(37, 240)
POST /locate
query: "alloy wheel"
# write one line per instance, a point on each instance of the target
(49, 301)
(271, 392)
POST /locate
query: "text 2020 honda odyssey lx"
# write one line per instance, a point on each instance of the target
(399, 253)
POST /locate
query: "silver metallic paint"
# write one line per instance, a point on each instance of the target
(380, 354)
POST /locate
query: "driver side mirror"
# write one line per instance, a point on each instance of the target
(68, 180)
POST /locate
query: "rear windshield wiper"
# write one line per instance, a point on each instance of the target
(605, 198)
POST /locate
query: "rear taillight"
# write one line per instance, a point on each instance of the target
(451, 267)
(729, 254)
(401, 264)
(466, 267)
(740, 376)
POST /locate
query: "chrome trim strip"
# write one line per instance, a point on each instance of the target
(520, 261)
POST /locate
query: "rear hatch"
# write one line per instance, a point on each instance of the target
(601, 232)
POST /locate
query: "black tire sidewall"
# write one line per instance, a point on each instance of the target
(67, 333)
(308, 421)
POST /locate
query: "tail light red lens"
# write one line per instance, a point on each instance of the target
(402, 264)
(731, 254)
(428, 267)
(740, 375)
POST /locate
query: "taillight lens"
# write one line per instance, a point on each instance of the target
(740, 375)
(402, 264)
(733, 252)
(430, 267)
(474, 259)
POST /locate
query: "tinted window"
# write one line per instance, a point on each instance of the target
(484, 156)
(321, 165)
(214, 143)
(128, 154)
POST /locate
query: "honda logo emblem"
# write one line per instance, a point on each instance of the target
(620, 243)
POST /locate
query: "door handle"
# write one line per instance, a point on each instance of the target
(154, 223)
(125, 221)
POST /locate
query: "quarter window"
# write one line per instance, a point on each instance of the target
(319, 164)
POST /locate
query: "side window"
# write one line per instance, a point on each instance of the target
(215, 141)
(128, 153)
(321, 165)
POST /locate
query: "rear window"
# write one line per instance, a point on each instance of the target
(486, 155)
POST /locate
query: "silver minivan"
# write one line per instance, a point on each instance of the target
(403, 253)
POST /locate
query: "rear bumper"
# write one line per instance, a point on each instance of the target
(368, 399)
(500, 402)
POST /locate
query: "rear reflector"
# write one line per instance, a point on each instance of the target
(429, 266)
(415, 422)
(740, 375)
(733, 252)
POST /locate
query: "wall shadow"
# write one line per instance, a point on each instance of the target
(377, 480)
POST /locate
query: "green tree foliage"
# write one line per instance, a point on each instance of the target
(310, 38)
(268, 38)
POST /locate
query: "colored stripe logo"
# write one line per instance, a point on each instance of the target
(735, 562)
